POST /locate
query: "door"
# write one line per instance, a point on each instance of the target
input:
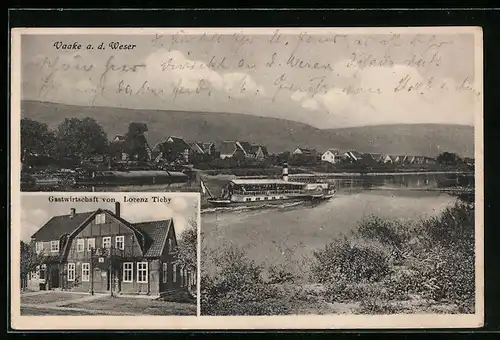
(54, 277)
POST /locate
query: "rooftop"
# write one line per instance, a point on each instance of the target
(263, 182)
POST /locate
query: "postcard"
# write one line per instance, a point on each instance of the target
(247, 178)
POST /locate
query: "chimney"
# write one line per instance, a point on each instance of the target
(72, 212)
(117, 209)
(284, 173)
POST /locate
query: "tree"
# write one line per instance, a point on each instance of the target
(29, 261)
(186, 251)
(135, 141)
(448, 158)
(36, 138)
(283, 157)
(83, 138)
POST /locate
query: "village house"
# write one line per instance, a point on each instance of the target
(253, 151)
(400, 159)
(410, 159)
(388, 159)
(208, 148)
(229, 149)
(258, 152)
(99, 251)
(304, 152)
(120, 149)
(375, 157)
(172, 149)
(196, 148)
(353, 156)
(331, 156)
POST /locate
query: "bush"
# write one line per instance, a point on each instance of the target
(396, 261)
(280, 274)
(239, 289)
(351, 261)
(454, 228)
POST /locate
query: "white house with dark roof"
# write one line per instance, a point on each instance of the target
(331, 156)
(99, 251)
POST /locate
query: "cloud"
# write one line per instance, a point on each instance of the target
(384, 95)
(310, 104)
(172, 68)
(169, 69)
(178, 204)
(31, 221)
(241, 85)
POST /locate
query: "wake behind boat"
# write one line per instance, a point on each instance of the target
(263, 191)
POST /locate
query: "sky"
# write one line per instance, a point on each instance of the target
(327, 81)
(36, 209)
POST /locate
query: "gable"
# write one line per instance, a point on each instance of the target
(245, 147)
(156, 234)
(139, 237)
(60, 225)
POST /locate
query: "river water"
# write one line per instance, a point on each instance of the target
(288, 234)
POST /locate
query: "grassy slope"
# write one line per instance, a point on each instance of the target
(278, 134)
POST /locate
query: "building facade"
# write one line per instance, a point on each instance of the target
(331, 156)
(101, 252)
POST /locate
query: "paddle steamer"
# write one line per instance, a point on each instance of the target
(263, 191)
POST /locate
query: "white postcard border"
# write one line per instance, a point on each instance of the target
(19, 322)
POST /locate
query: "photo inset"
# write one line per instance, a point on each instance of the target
(109, 254)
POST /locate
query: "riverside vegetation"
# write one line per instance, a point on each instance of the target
(382, 267)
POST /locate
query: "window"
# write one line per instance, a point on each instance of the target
(174, 273)
(142, 272)
(100, 218)
(165, 272)
(80, 245)
(54, 246)
(169, 245)
(90, 243)
(39, 247)
(119, 242)
(181, 276)
(71, 272)
(247, 199)
(85, 272)
(106, 242)
(128, 271)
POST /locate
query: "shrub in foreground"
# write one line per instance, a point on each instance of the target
(385, 261)
(238, 288)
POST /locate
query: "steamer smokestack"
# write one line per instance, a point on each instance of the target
(284, 173)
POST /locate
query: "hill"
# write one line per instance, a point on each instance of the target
(277, 134)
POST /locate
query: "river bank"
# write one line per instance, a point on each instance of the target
(310, 260)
